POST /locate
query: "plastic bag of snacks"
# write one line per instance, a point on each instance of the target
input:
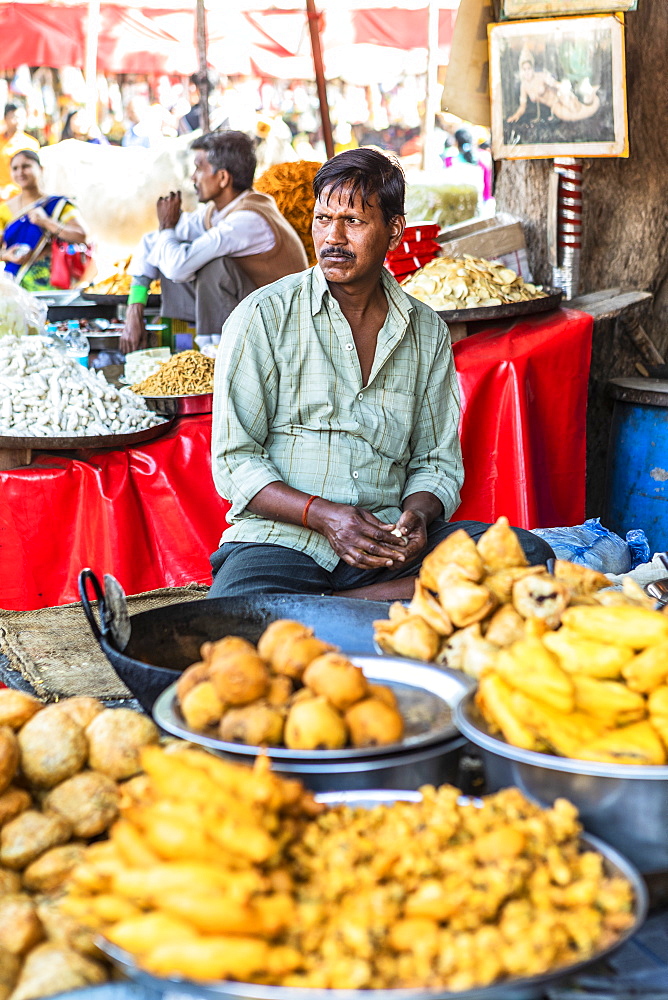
(20, 312)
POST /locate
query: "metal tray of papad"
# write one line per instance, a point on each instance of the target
(86, 442)
(526, 988)
(425, 696)
(102, 299)
(507, 311)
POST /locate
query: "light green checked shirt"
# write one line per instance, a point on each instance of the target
(290, 406)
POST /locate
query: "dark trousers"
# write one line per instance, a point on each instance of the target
(241, 568)
(208, 299)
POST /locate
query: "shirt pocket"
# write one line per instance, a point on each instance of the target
(387, 422)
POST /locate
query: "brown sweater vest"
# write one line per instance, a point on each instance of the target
(287, 255)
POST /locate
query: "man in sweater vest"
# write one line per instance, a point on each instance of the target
(210, 259)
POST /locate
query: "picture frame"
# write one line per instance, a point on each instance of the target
(558, 88)
(522, 9)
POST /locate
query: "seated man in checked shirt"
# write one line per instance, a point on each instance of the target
(336, 411)
(210, 259)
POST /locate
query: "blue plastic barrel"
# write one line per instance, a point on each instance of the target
(637, 475)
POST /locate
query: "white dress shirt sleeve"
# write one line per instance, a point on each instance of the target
(239, 235)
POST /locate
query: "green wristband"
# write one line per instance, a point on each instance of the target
(138, 293)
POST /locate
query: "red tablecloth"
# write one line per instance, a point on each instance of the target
(151, 516)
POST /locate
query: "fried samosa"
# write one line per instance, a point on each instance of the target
(540, 596)
(579, 579)
(505, 626)
(501, 583)
(464, 602)
(427, 607)
(409, 636)
(457, 549)
(500, 547)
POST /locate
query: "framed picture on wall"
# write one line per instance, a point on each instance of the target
(558, 88)
(514, 9)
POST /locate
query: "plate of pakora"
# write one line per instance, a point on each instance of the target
(230, 881)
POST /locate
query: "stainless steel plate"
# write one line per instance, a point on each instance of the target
(426, 697)
(173, 406)
(530, 988)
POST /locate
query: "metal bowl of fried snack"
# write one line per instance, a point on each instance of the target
(182, 385)
(257, 890)
(427, 751)
(627, 804)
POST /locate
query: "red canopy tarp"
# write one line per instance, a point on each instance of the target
(160, 39)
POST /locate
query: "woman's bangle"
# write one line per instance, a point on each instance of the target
(306, 509)
(59, 230)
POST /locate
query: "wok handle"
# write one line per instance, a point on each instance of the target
(84, 576)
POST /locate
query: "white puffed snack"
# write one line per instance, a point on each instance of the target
(44, 393)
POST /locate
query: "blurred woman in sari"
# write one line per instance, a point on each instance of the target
(31, 221)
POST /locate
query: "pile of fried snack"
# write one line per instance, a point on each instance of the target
(187, 373)
(60, 768)
(563, 664)
(596, 689)
(293, 690)
(468, 283)
(119, 281)
(216, 871)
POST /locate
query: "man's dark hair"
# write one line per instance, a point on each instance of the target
(9, 108)
(232, 151)
(368, 173)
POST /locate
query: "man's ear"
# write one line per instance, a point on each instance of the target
(397, 226)
(224, 179)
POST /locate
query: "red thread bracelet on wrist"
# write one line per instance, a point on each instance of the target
(306, 509)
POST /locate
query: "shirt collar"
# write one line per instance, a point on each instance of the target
(229, 205)
(398, 299)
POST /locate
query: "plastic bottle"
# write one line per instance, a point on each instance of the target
(78, 347)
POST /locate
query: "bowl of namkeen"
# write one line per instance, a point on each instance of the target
(236, 881)
(319, 712)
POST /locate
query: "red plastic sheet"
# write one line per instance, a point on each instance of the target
(151, 515)
(524, 404)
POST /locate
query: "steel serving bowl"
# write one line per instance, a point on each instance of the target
(180, 406)
(527, 988)
(428, 754)
(624, 804)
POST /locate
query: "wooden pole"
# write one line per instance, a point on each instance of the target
(432, 102)
(203, 69)
(314, 30)
(92, 36)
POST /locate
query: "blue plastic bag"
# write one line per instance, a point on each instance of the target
(590, 544)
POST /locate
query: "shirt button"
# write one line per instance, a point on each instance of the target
(360, 395)
(349, 347)
(356, 475)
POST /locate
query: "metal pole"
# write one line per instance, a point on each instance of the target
(313, 18)
(432, 102)
(203, 70)
(92, 35)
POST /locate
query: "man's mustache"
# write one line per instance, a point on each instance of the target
(334, 252)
